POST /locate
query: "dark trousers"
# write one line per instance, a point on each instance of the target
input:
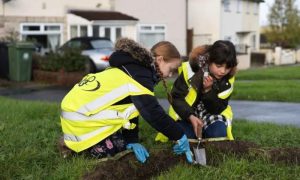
(216, 129)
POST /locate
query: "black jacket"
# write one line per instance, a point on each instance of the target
(137, 63)
(212, 103)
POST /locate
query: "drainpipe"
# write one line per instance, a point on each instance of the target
(3, 9)
(3, 5)
(186, 25)
(186, 13)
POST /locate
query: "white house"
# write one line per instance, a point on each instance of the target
(186, 23)
(234, 20)
(158, 20)
(51, 23)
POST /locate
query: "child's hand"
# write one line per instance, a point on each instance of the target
(207, 83)
(197, 125)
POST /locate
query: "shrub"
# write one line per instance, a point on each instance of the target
(70, 61)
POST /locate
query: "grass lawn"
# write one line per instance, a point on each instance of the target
(261, 84)
(271, 73)
(29, 131)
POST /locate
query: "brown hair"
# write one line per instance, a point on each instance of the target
(200, 50)
(194, 56)
(169, 52)
(165, 49)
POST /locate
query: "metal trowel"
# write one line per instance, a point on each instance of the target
(199, 152)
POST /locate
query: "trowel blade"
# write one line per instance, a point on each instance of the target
(200, 156)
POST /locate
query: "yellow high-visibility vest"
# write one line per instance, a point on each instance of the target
(88, 111)
(191, 98)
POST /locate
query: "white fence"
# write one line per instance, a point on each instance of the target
(281, 56)
(244, 60)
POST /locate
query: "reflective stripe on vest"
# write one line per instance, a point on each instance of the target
(88, 111)
(105, 114)
(115, 94)
(70, 137)
(225, 94)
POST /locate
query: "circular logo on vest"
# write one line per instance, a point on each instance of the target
(91, 81)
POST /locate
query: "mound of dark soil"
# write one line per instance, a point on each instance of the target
(127, 167)
(216, 150)
(288, 156)
(231, 147)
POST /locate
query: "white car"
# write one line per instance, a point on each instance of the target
(97, 49)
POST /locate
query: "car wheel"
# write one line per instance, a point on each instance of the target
(90, 67)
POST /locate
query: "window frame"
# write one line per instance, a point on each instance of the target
(226, 5)
(152, 29)
(239, 6)
(78, 27)
(113, 32)
(42, 30)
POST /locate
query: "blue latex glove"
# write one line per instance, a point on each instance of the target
(183, 146)
(139, 150)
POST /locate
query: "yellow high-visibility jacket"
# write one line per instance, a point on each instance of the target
(88, 111)
(191, 98)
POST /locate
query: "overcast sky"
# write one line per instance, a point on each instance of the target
(264, 10)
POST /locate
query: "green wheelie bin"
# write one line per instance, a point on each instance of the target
(20, 61)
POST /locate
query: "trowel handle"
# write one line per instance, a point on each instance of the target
(199, 133)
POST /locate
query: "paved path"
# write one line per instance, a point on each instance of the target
(275, 112)
(281, 113)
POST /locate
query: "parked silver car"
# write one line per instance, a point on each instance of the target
(96, 49)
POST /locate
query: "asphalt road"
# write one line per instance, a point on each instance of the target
(275, 112)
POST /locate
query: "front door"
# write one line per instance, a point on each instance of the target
(111, 32)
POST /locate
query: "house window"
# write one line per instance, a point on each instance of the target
(107, 33)
(255, 10)
(74, 31)
(78, 30)
(247, 7)
(151, 34)
(239, 6)
(51, 28)
(31, 28)
(253, 42)
(96, 30)
(83, 31)
(202, 39)
(46, 36)
(118, 33)
(226, 5)
(111, 32)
